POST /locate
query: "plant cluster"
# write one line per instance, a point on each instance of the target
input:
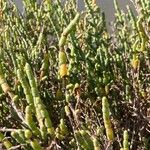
(67, 83)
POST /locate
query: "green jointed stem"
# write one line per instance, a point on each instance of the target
(96, 144)
(5, 142)
(125, 140)
(29, 120)
(32, 82)
(45, 65)
(87, 138)
(41, 112)
(106, 118)
(25, 85)
(63, 127)
(27, 134)
(67, 110)
(141, 30)
(3, 82)
(62, 58)
(21, 133)
(68, 29)
(35, 145)
(81, 141)
(17, 137)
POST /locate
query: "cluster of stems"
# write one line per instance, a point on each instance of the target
(59, 65)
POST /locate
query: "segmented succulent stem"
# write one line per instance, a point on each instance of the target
(106, 118)
(125, 140)
(5, 142)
